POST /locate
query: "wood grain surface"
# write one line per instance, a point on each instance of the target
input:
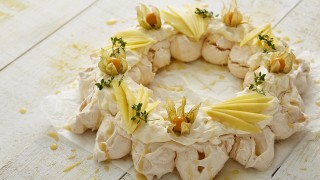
(44, 44)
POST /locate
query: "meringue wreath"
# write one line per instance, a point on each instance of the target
(196, 139)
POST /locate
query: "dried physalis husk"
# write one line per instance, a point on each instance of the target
(113, 65)
(232, 17)
(148, 17)
(281, 62)
(181, 120)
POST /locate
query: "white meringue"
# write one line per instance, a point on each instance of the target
(86, 116)
(111, 141)
(154, 159)
(290, 117)
(86, 79)
(256, 150)
(238, 62)
(159, 55)
(184, 49)
(201, 161)
(216, 49)
(142, 73)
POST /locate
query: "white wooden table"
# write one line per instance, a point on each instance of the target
(45, 43)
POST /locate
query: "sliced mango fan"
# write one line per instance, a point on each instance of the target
(253, 35)
(126, 99)
(134, 39)
(241, 112)
(186, 21)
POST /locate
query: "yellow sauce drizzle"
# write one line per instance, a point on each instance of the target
(140, 176)
(106, 168)
(235, 172)
(23, 110)
(298, 41)
(97, 171)
(54, 135)
(303, 169)
(318, 103)
(90, 157)
(67, 127)
(222, 77)
(73, 150)
(72, 156)
(111, 22)
(53, 147)
(71, 167)
(171, 88)
(286, 38)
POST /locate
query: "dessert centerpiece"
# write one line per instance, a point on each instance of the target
(195, 138)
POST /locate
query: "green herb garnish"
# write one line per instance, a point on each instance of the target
(140, 115)
(268, 40)
(121, 79)
(258, 80)
(117, 43)
(204, 13)
(104, 83)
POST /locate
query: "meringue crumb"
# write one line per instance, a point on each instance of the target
(286, 38)
(318, 103)
(106, 168)
(111, 21)
(72, 156)
(53, 147)
(298, 41)
(71, 167)
(54, 135)
(90, 157)
(303, 169)
(236, 171)
(23, 110)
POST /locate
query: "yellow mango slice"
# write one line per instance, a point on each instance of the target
(122, 102)
(252, 95)
(254, 33)
(233, 122)
(144, 100)
(134, 39)
(248, 107)
(131, 125)
(152, 106)
(186, 21)
(246, 116)
(140, 93)
(253, 100)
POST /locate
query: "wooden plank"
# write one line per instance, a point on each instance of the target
(26, 23)
(302, 25)
(304, 162)
(56, 61)
(38, 161)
